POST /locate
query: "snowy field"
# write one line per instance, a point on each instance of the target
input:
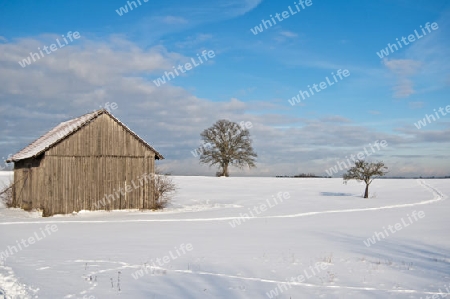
(240, 238)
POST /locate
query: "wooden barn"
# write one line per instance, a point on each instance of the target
(93, 162)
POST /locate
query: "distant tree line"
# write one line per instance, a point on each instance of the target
(303, 175)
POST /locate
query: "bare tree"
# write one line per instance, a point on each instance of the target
(6, 194)
(230, 145)
(366, 172)
(165, 188)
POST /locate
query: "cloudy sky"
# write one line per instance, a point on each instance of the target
(252, 77)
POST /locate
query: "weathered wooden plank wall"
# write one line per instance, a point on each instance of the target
(86, 169)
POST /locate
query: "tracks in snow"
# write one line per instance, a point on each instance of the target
(124, 266)
(12, 286)
(438, 196)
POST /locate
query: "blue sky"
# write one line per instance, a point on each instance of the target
(250, 78)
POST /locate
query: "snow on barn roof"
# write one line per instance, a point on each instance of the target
(62, 131)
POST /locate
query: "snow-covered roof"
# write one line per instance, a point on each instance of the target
(62, 131)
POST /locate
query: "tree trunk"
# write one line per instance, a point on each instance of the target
(366, 193)
(225, 170)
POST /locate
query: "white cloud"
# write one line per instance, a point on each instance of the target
(403, 70)
(416, 105)
(288, 34)
(174, 20)
(84, 75)
(238, 7)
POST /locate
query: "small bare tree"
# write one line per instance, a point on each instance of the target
(6, 194)
(366, 172)
(165, 188)
(230, 144)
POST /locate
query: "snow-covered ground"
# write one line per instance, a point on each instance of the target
(303, 238)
